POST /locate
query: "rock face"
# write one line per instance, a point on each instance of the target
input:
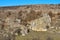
(41, 23)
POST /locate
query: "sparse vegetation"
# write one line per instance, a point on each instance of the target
(39, 36)
(49, 38)
(9, 26)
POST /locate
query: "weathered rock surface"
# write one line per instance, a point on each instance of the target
(41, 24)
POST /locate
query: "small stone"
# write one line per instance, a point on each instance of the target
(23, 34)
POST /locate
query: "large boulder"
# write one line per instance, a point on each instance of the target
(41, 24)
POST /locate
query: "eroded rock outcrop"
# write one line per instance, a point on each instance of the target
(41, 24)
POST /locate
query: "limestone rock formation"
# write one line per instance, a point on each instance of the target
(41, 24)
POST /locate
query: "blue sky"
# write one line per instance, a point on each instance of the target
(27, 2)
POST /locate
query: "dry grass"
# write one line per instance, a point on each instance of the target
(39, 36)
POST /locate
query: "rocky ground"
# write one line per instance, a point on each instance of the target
(18, 19)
